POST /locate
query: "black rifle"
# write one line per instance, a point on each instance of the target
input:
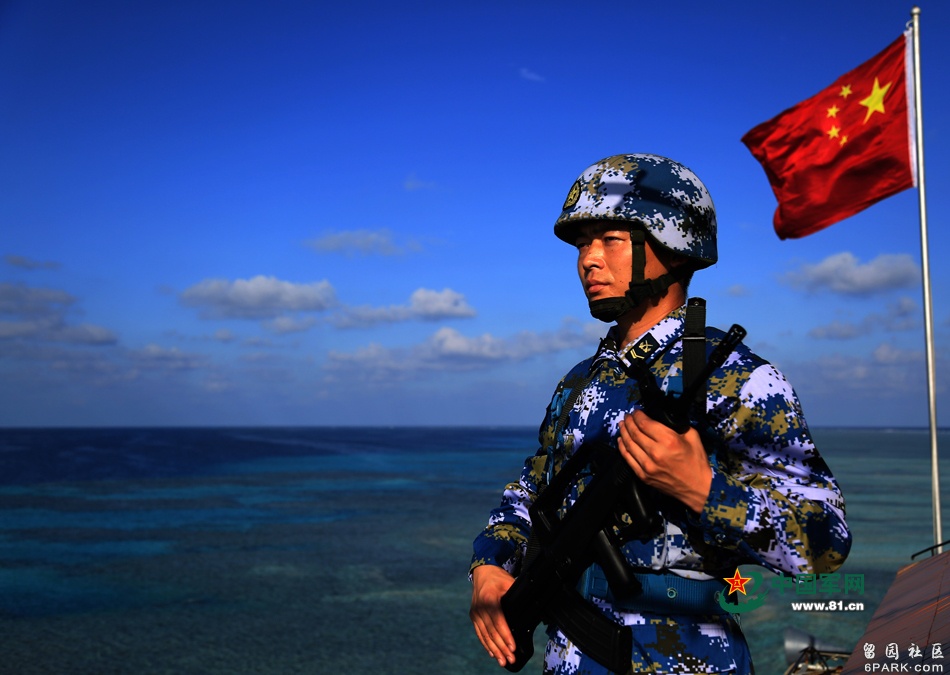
(560, 549)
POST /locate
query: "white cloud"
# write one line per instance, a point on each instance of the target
(40, 314)
(284, 325)
(278, 305)
(154, 357)
(257, 342)
(21, 300)
(223, 335)
(899, 316)
(260, 297)
(217, 384)
(19, 329)
(364, 316)
(362, 242)
(448, 344)
(887, 373)
(29, 264)
(530, 75)
(903, 315)
(85, 334)
(413, 183)
(103, 368)
(836, 330)
(87, 367)
(842, 273)
(737, 291)
(887, 354)
(448, 349)
(423, 304)
(430, 304)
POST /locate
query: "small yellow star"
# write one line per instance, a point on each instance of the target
(833, 132)
(875, 102)
(844, 139)
(845, 91)
(833, 111)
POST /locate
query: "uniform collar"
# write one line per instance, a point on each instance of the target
(644, 348)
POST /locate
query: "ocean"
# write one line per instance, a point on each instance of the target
(330, 550)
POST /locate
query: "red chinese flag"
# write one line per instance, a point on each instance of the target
(844, 148)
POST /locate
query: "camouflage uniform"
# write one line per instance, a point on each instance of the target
(772, 502)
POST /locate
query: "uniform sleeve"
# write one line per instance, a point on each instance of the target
(773, 499)
(504, 540)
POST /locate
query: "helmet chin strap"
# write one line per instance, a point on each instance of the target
(640, 290)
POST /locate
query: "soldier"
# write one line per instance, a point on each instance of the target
(744, 485)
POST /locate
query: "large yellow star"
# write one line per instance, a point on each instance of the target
(737, 582)
(875, 102)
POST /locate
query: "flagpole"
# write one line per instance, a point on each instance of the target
(925, 270)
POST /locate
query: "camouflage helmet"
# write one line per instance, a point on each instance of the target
(663, 196)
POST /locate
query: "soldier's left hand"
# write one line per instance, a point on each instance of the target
(675, 464)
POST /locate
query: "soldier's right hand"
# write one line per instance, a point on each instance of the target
(489, 583)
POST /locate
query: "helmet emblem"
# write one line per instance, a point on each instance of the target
(572, 196)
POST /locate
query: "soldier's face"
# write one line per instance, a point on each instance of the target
(605, 260)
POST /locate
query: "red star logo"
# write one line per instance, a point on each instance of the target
(737, 582)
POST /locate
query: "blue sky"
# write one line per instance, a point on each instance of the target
(296, 213)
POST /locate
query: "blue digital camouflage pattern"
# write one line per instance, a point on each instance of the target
(773, 501)
(664, 196)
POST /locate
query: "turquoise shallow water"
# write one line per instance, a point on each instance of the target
(324, 550)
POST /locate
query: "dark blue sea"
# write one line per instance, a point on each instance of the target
(327, 550)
